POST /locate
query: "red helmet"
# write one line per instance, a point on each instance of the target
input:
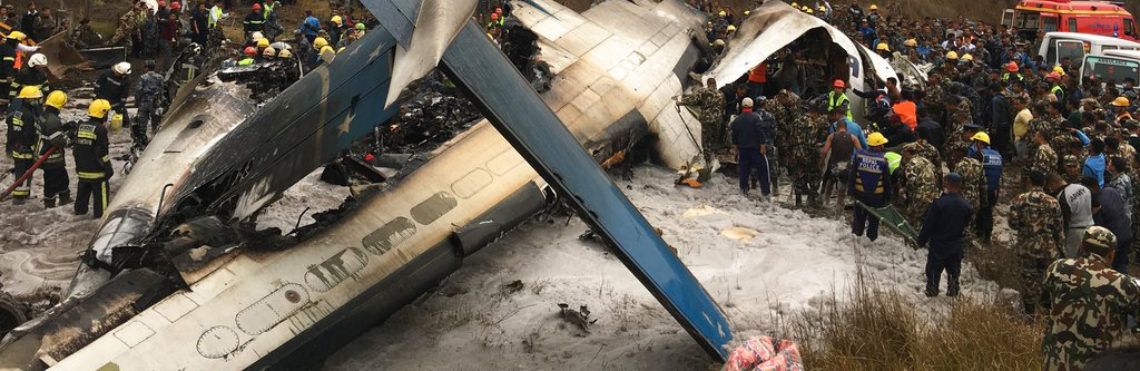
(256, 6)
(250, 51)
(161, 3)
(494, 16)
(175, 5)
(1011, 67)
(1053, 76)
(839, 84)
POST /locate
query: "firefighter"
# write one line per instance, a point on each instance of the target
(22, 138)
(92, 160)
(52, 134)
(115, 86)
(254, 21)
(35, 75)
(8, 58)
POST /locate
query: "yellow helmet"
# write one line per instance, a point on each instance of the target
(967, 57)
(910, 43)
(17, 35)
(804, 8)
(883, 47)
(57, 98)
(319, 43)
(952, 55)
(263, 43)
(794, 5)
(821, 8)
(718, 42)
(31, 92)
(269, 52)
(747, 12)
(876, 139)
(809, 11)
(99, 108)
(981, 136)
(874, 7)
(327, 48)
(336, 19)
(722, 13)
(284, 54)
(1118, 102)
(731, 28)
(1059, 70)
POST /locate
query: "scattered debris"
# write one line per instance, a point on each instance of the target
(511, 288)
(579, 318)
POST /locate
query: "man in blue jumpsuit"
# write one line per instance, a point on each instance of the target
(870, 184)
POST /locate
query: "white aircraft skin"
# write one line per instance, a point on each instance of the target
(248, 307)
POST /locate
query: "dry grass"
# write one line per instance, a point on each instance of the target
(880, 329)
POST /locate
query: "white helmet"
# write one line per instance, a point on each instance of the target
(122, 68)
(37, 60)
(257, 35)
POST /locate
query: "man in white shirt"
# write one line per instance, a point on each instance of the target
(1076, 210)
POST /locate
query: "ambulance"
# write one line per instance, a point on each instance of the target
(1092, 17)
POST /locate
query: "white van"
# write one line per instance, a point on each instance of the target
(1075, 46)
(1113, 65)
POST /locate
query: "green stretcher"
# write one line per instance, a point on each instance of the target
(891, 218)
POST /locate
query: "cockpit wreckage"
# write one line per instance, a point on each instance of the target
(177, 275)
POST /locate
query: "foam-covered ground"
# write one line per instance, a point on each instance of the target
(754, 259)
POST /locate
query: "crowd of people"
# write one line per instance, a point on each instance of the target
(991, 125)
(38, 140)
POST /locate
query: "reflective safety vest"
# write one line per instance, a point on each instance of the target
(245, 62)
(1059, 92)
(215, 15)
(267, 7)
(1005, 76)
(834, 101)
(893, 160)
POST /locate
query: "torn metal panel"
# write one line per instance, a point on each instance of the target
(62, 57)
(879, 66)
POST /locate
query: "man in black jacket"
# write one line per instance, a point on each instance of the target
(944, 230)
(1002, 124)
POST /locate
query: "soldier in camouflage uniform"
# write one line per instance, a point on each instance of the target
(1088, 303)
(801, 133)
(921, 148)
(1035, 218)
(958, 144)
(960, 112)
(709, 103)
(974, 189)
(934, 99)
(1071, 169)
(1044, 158)
(920, 188)
(149, 99)
(130, 25)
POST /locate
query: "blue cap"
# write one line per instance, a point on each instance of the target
(954, 177)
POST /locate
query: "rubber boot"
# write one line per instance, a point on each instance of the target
(49, 202)
(64, 198)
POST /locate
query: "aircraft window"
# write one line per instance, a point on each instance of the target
(389, 236)
(432, 208)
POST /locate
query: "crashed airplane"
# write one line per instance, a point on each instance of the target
(776, 25)
(176, 275)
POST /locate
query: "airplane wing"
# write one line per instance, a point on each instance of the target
(621, 60)
(531, 126)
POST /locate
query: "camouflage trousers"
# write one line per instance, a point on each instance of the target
(1032, 274)
(123, 36)
(914, 211)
